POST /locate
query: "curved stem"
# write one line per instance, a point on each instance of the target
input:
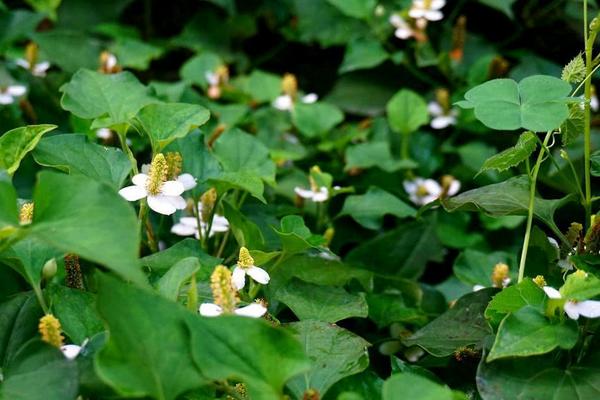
(532, 186)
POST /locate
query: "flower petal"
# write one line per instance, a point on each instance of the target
(183, 229)
(177, 201)
(133, 193)
(40, 69)
(454, 187)
(189, 221)
(304, 193)
(435, 108)
(320, 196)
(172, 188)
(551, 292)
(21, 62)
(139, 179)
(432, 187)
(442, 122)
(16, 90)
(310, 98)
(6, 99)
(572, 310)
(238, 277)
(587, 308)
(403, 33)
(187, 180)
(253, 310)
(434, 15)
(259, 275)
(161, 204)
(210, 310)
(284, 103)
(70, 351)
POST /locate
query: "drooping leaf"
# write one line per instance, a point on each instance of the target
(512, 156)
(75, 155)
(528, 332)
(537, 103)
(16, 143)
(335, 353)
(406, 112)
(368, 209)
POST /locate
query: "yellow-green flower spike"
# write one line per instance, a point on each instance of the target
(245, 260)
(49, 328)
(26, 213)
(174, 163)
(540, 281)
(31, 54)
(157, 174)
(499, 275)
(208, 200)
(289, 85)
(224, 294)
(442, 96)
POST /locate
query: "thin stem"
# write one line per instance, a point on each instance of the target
(532, 186)
(222, 245)
(40, 297)
(565, 156)
(587, 117)
(404, 150)
(128, 152)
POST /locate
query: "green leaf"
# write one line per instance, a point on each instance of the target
(406, 112)
(147, 353)
(39, 372)
(246, 232)
(45, 6)
(386, 308)
(19, 318)
(9, 213)
(334, 353)
(362, 54)
(75, 155)
(262, 86)
(537, 103)
(574, 125)
(77, 215)
(504, 6)
(316, 119)
(510, 197)
(76, 311)
(165, 122)
(16, 143)
(475, 267)
(355, 8)
(368, 209)
(181, 272)
(580, 286)
(528, 332)
(375, 154)
(416, 387)
(513, 298)
(322, 303)
(161, 262)
(68, 49)
(595, 163)
(28, 257)
(512, 156)
(109, 99)
(195, 69)
(295, 236)
(133, 53)
(460, 326)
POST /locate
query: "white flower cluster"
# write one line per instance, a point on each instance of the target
(424, 191)
(421, 11)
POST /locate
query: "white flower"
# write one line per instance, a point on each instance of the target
(427, 9)
(285, 102)
(422, 191)
(103, 133)
(165, 201)
(403, 30)
(212, 78)
(309, 98)
(254, 310)
(318, 196)
(38, 69)
(8, 94)
(573, 308)
(441, 119)
(245, 266)
(70, 351)
(188, 226)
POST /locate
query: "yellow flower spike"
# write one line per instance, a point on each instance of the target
(289, 85)
(442, 96)
(49, 328)
(224, 294)
(174, 164)
(31, 53)
(26, 214)
(245, 260)
(540, 281)
(500, 275)
(157, 175)
(208, 200)
(328, 235)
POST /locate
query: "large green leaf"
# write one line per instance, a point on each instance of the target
(148, 352)
(323, 303)
(528, 332)
(75, 155)
(510, 197)
(537, 103)
(368, 209)
(78, 215)
(316, 119)
(295, 235)
(462, 325)
(513, 298)
(475, 267)
(385, 308)
(28, 257)
(512, 156)
(159, 263)
(76, 311)
(68, 49)
(16, 143)
(335, 353)
(109, 99)
(39, 372)
(19, 318)
(165, 122)
(181, 272)
(406, 112)
(416, 387)
(134, 53)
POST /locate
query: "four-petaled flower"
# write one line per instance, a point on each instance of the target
(8, 93)
(427, 9)
(245, 266)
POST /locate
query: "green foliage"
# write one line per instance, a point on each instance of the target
(512, 156)
(16, 143)
(406, 112)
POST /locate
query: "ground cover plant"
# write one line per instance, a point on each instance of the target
(299, 199)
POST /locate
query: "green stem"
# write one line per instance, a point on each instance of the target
(147, 225)
(40, 297)
(404, 150)
(128, 152)
(532, 186)
(589, 41)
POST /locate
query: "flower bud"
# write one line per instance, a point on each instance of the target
(49, 269)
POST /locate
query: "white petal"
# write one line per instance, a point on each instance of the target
(183, 230)
(416, 199)
(210, 310)
(220, 224)
(238, 277)
(454, 187)
(6, 99)
(553, 242)
(304, 193)
(551, 292)
(259, 275)
(594, 104)
(189, 221)
(145, 168)
(437, 4)
(411, 186)
(140, 180)
(16, 90)
(434, 15)
(111, 61)
(403, 33)
(416, 13)
(161, 204)
(478, 287)
(432, 187)
(40, 68)
(211, 78)
(443, 121)
(103, 133)
(320, 196)
(133, 193)
(283, 103)
(21, 62)
(70, 351)
(310, 98)
(428, 199)
(172, 188)
(435, 108)
(588, 308)
(572, 310)
(187, 180)
(253, 310)
(177, 201)
(396, 21)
